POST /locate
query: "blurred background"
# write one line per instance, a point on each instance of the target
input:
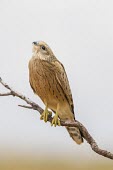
(80, 33)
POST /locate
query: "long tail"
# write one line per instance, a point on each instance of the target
(75, 133)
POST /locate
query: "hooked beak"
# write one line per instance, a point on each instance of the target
(34, 43)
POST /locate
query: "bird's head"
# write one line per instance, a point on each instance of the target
(42, 50)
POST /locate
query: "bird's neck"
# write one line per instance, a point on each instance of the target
(39, 56)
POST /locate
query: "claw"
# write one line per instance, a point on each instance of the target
(45, 114)
(55, 120)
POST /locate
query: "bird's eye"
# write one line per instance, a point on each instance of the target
(43, 47)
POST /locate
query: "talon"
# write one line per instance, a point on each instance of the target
(45, 114)
(59, 124)
(55, 120)
(41, 117)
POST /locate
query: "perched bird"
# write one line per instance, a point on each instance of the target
(49, 81)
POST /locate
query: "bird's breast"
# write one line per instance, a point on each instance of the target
(42, 80)
(45, 84)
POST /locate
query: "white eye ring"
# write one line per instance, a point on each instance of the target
(43, 47)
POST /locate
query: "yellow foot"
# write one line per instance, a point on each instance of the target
(55, 121)
(45, 114)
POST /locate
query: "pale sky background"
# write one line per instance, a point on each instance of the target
(80, 33)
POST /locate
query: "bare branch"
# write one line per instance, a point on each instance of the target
(84, 131)
(6, 94)
(27, 100)
(27, 107)
(89, 139)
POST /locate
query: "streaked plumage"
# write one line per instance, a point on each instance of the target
(49, 81)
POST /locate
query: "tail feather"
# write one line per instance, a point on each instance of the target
(75, 133)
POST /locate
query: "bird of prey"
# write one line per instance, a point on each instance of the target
(49, 81)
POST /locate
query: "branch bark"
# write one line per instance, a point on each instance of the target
(34, 106)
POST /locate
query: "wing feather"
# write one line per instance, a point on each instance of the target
(61, 76)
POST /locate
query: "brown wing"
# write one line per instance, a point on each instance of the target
(63, 82)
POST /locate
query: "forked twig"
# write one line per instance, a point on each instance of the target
(34, 106)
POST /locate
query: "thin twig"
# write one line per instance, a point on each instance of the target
(27, 107)
(83, 130)
(6, 94)
(27, 100)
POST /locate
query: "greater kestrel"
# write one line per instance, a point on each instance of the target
(49, 81)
